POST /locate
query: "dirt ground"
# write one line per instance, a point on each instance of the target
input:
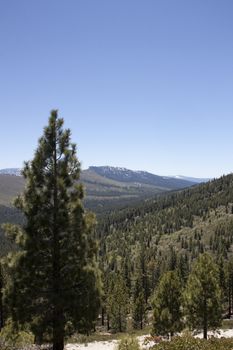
(112, 345)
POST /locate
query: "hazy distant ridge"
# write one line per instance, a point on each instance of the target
(120, 172)
(11, 171)
(143, 177)
(105, 186)
(192, 179)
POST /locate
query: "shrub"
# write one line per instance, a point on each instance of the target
(10, 339)
(128, 343)
(191, 343)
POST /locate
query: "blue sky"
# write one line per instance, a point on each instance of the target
(143, 84)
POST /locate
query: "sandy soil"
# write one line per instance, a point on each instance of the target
(227, 333)
(100, 345)
(106, 345)
(112, 345)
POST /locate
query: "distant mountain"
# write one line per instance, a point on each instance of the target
(111, 187)
(121, 174)
(11, 171)
(191, 179)
(106, 187)
(141, 177)
(10, 186)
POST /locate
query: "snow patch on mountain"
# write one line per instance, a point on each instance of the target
(189, 178)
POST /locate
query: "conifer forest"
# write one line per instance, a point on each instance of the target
(116, 175)
(160, 268)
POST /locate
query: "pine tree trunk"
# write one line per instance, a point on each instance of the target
(119, 319)
(38, 340)
(205, 332)
(102, 316)
(205, 320)
(1, 315)
(229, 302)
(108, 322)
(58, 323)
(58, 317)
(231, 299)
(58, 340)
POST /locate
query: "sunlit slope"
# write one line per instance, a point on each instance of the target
(104, 186)
(183, 223)
(10, 186)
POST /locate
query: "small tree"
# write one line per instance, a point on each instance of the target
(118, 301)
(54, 284)
(138, 304)
(1, 301)
(128, 343)
(229, 285)
(143, 270)
(167, 305)
(202, 295)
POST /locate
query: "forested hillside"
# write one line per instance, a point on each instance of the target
(140, 243)
(184, 223)
(11, 215)
(106, 188)
(168, 233)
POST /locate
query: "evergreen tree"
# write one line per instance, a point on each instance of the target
(167, 305)
(203, 295)
(172, 259)
(118, 301)
(108, 289)
(139, 305)
(183, 268)
(1, 301)
(222, 274)
(126, 271)
(229, 285)
(143, 266)
(54, 282)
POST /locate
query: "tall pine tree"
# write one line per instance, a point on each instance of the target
(1, 301)
(229, 285)
(138, 304)
(54, 279)
(167, 305)
(202, 295)
(118, 303)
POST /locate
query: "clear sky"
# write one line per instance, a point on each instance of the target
(143, 84)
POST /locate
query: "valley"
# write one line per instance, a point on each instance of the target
(105, 187)
(159, 229)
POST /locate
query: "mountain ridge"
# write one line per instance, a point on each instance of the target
(107, 168)
(172, 229)
(106, 187)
